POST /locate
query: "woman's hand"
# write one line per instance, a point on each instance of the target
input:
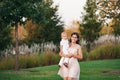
(75, 55)
(64, 55)
(79, 54)
(69, 55)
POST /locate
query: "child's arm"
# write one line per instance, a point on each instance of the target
(61, 53)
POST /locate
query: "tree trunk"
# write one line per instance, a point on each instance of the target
(16, 48)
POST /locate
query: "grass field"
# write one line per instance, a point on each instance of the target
(90, 70)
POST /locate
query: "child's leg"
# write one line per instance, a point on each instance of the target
(66, 60)
(61, 61)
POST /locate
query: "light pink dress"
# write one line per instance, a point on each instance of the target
(73, 69)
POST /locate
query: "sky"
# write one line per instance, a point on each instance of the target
(70, 10)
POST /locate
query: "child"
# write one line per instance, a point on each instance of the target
(64, 45)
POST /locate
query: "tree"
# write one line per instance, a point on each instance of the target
(5, 36)
(51, 30)
(90, 27)
(116, 27)
(12, 12)
(47, 31)
(110, 9)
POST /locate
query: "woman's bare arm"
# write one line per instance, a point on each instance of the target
(60, 53)
(79, 54)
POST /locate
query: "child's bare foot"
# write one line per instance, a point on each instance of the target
(65, 64)
(59, 65)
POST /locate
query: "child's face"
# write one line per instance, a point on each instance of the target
(64, 36)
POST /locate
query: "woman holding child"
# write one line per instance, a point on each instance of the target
(72, 71)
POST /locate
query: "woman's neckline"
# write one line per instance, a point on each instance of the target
(73, 45)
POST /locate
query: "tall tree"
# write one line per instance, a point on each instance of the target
(13, 11)
(90, 27)
(50, 29)
(110, 9)
(5, 36)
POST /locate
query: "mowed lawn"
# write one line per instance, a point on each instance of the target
(90, 70)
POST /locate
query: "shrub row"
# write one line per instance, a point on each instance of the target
(29, 61)
(106, 51)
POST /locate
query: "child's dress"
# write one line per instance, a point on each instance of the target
(65, 45)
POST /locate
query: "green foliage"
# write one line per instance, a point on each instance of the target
(90, 27)
(106, 51)
(14, 10)
(5, 36)
(50, 28)
(49, 58)
(7, 63)
(85, 54)
(29, 61)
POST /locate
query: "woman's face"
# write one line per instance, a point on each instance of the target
(74, 38)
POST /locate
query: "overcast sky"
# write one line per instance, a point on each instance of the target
(70, 10)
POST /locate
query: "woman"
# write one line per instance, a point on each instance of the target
(72, 72)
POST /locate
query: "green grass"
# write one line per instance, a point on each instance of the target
(90, 70)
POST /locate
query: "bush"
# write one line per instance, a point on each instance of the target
(85, 54)
(49, 58)
(29, 61)
(106, 51)
(7, 63)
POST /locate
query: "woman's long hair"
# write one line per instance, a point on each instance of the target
(75, 33)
